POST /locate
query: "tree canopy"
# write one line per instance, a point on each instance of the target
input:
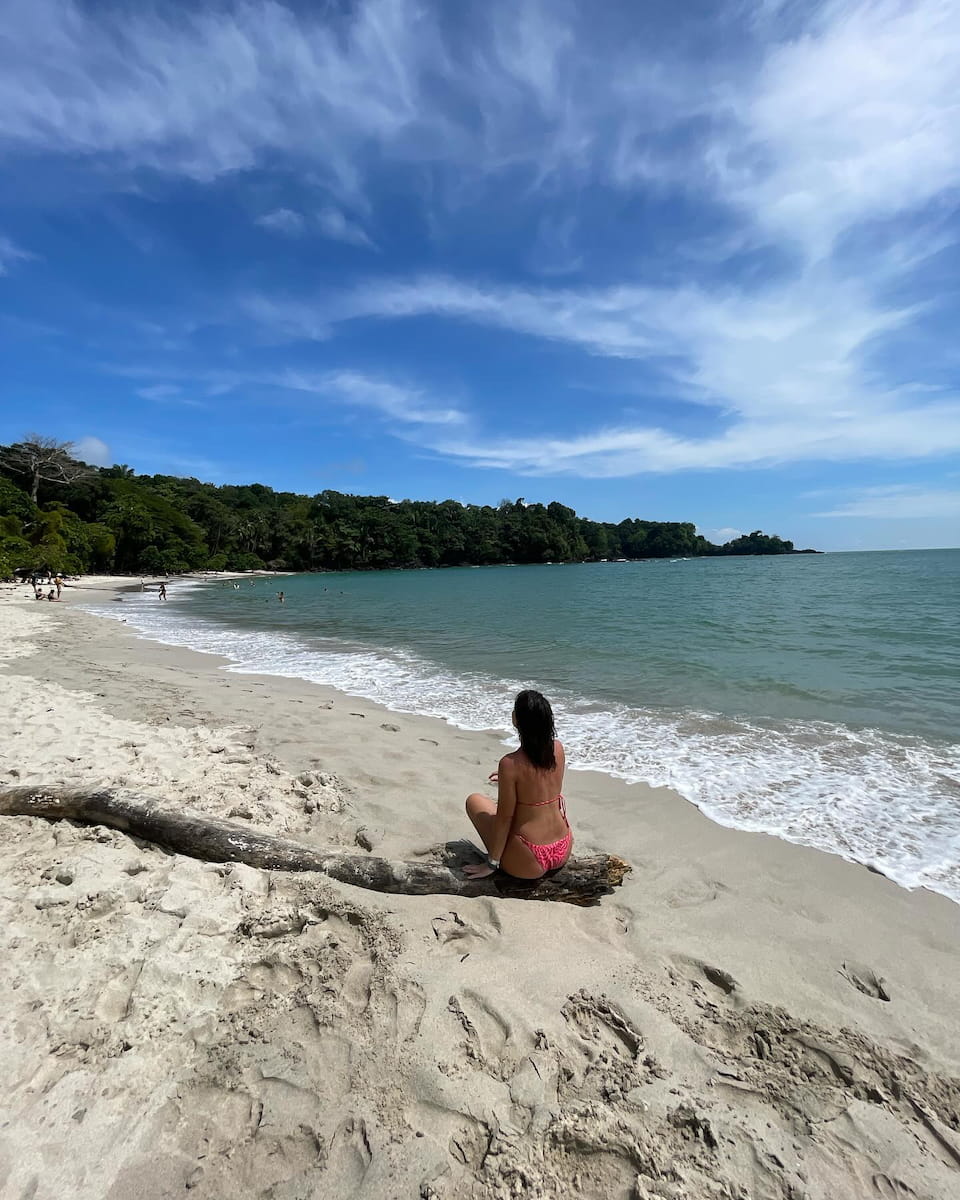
(77, 519)
(38, 459)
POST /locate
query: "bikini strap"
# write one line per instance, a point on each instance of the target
(541, 803)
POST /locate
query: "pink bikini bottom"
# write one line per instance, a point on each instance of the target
(551, 855)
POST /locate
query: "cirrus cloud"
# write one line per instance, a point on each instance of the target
(817, 139)
(282, 220)
(903, 502)
(11, 253)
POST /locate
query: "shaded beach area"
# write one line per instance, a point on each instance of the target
(742, 1018)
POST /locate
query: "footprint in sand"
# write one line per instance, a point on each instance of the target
(272, 976)
(694, 892)
(357, 983)
(403, 1005)
(891, 1189)
(866, 980)
(348, 1160)
(487, 1032)
(599, 1020)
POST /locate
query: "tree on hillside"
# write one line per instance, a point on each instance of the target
(42, 459)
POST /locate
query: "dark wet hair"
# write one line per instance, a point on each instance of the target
(534, 718)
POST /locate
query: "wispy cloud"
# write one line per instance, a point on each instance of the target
(554, 249)
(812, 140)
(853, 119)
(282, 220)
(788, 368)
(900, 502)
(160, 391)
(825, 140)
(330, 222)
(618, 451)
(215, 88)
(401, 402)
(336, 225)
(10, 254)
(210, 89)
(846, 110)
(168, 393)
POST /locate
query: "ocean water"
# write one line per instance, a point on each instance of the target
(812, 697)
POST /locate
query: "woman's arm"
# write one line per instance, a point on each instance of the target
(506, 807)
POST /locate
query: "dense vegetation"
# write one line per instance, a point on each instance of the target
(61, 515)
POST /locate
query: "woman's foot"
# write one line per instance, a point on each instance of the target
(478, 870)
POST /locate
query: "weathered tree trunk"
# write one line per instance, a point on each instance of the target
(582, 881)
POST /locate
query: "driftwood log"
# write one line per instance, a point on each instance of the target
(582, 881)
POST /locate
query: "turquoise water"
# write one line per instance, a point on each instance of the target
(815, 697)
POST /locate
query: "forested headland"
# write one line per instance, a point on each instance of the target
(61, 514)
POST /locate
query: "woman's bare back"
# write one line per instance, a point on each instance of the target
(537, 818)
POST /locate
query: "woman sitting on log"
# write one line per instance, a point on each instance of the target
(525, 830)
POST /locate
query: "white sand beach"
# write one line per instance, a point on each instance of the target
(744, 1019)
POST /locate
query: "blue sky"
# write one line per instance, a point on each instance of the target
(683, 261)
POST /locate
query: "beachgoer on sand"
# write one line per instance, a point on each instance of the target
(163, 591)
(525, 830)
(59, 583)
(52, 596)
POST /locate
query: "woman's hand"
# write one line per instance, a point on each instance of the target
(494, 777)
(478, 870)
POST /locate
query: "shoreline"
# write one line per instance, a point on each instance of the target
(800, 931)
(686, 763)
(170, 659)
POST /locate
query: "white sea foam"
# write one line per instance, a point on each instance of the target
(889, 801)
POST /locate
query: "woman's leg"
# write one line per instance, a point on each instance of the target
(481, 810)
(517, 858)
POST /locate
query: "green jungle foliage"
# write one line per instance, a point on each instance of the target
(110, 519)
